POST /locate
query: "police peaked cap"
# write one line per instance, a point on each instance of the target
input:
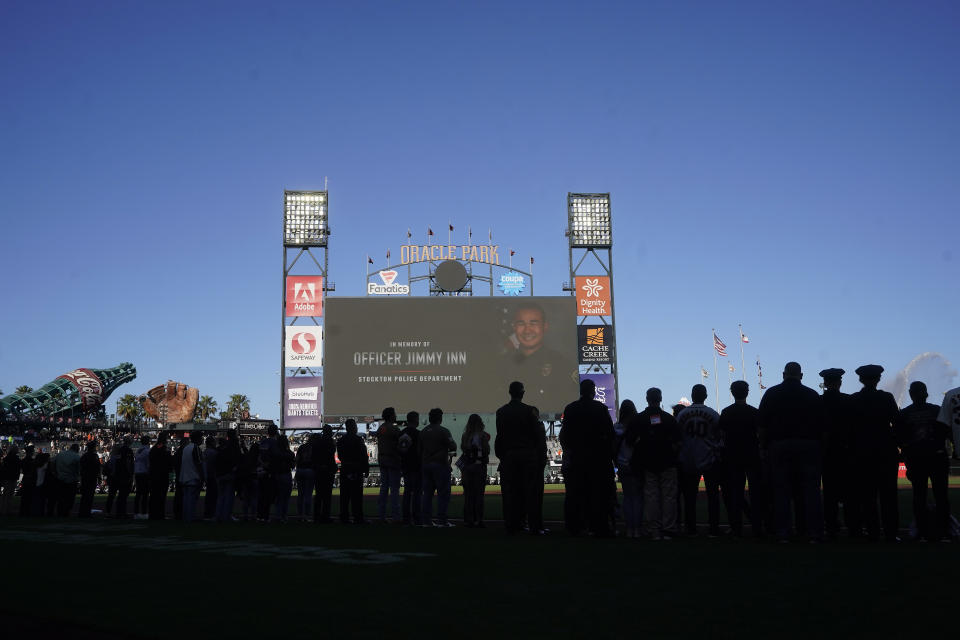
(832, 373)
(869, 371)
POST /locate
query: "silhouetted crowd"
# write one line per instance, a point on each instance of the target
(787, 468)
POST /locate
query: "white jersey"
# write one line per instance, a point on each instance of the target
(950, 410)
(699, 427)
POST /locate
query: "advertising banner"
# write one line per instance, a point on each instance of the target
(301, 402)
(303, 346)
(595, 343)
(304, 296)
(456, 353)
(606, 391)
(389, 287)
(593, 295)
(89, 386)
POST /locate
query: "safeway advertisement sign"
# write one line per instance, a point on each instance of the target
(303, 346)
(593, 295)
(304, 295)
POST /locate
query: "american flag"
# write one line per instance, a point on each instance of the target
(719, 346)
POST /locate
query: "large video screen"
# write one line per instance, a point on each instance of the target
(456, 353)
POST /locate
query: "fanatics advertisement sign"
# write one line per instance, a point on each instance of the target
(596, 344)
(303, 346)
(593, 295)
(304, 296)
(301, 402)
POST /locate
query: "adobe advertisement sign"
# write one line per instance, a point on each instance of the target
(303, 346)
(301, 402)
(593, 295)
(304, 296)
(606, 390)
(595, 344)
(456, 353)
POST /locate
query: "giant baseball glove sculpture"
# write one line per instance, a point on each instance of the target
(181, 401)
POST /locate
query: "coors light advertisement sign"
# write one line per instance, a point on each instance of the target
(89, 386)
(301, 402)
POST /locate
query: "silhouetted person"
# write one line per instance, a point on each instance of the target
(210, 478)
(354, 465)
(876, 458)
(436, 445)
(922, 440)
(161, 464)
(587, 440)
(141, 468)
(792, 420)
(475, 447)
(388, 455)
(700, 456)
(123, 476)
(950, 416)
(739, 424)
(324, 472)
(521, 446)
(66, 476)
(838, 478)
(266, 474)
(89, 478)
(656, 439)
(9, 476)
(631, 482)
(409, 447)
(227, 464)
(28, 486)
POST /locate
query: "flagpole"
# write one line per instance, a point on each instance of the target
(743, 367)
(716, 378)
(729, 381)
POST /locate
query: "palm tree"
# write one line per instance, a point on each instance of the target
(129, 408)
(206, 407)
(238, 406)
(23, 389)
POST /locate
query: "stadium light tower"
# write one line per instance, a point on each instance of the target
(306, 230)
(590, 249)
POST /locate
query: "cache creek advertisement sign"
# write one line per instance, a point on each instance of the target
(456, 353)
(301, 402)
(595, 344)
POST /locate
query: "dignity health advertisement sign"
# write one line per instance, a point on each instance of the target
(301, 402)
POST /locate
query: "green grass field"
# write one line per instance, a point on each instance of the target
(103, 578)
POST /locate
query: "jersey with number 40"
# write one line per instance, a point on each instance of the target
(700, 429)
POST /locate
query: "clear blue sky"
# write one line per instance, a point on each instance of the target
(791, 166)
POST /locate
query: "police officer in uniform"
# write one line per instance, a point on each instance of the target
(876, 458)
(837, 455)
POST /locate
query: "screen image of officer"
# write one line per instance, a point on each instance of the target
(528, 358)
